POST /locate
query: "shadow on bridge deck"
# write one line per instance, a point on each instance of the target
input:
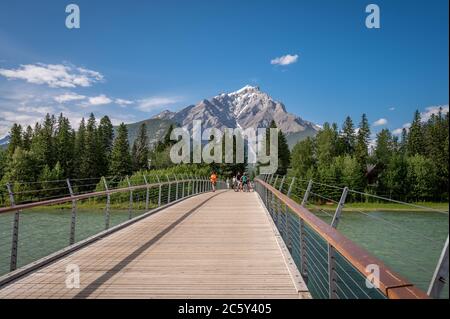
(214, 245)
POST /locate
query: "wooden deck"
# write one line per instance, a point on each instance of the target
(214, 245)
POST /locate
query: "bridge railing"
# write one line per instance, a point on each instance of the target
(35, 228)
(332, 265)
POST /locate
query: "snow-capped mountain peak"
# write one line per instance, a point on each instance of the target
(244, 108)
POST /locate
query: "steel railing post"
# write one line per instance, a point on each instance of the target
(176, 185)
(197, 185)
(108, 203)
(440, 275)
(331, 272)
(147, 193)
(289, 239)
(15, 233)
(308, 190)
(189, 179)
(159, 190)
(169, 185)
(302, 235)
(270, 180)
(291, 185)
(275, 182)
(130, 207)
(73, 219)
(337, 214)
(182, 187)
(281, 184)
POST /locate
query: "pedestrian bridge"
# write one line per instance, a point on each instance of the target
(201, 244)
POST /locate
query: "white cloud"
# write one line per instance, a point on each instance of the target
(36, 109)
(154, 103)
(433, 110)
(392, 109)
(53, 75)
(99, 100)
(285, 60)
(68, 97)
(380, 122)
(123, 102)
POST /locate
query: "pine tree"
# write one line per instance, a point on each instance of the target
(15, 139)
(303, 157)
(140, 149)
(120, 157)
(348, 136)
(90, 163)
(325, 145)
(80, 149)
(106, 138)
(362, 147)
(416, 142)
(384, 148)
(284, 154)
(404, 142)
(65, 144)
(27, 138)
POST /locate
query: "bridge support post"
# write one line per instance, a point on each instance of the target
(169, 186)
(15, 234)
(147, 193)
(331, 272)
(73, 219)
(440, 276)
(159, 191)
(130, 206)
(338, 212)
(306, 196)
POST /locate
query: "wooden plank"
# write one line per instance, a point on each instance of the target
(215, 245)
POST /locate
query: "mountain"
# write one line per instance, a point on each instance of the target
(4, 141)
(156, 129)
(245, 108)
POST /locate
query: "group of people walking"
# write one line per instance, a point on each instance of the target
(240, 182)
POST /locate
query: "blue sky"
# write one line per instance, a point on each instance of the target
(131, 59)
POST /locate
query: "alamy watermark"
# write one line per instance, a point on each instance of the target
(72, 276)
(373, 20)
(227, 146)
(373, 276)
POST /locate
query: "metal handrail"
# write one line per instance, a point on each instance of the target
(66, 199)
(392, 285)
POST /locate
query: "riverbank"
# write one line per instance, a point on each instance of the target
(392, 207)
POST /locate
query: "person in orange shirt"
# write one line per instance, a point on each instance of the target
(213, 180)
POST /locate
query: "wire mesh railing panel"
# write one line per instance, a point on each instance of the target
(6, 227)
(350, 283)
(32, 230)
(327, 273)
(42, 231)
